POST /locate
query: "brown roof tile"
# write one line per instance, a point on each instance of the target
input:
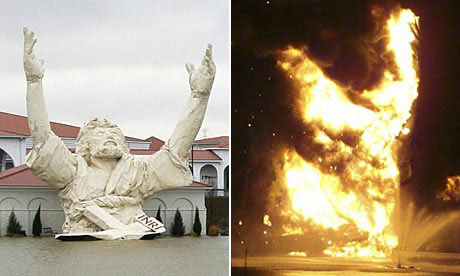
(155, 143)
(200, 184)
(214, 140)
(20, 176)
(204, 155)
(8, 133)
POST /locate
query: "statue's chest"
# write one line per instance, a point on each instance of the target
(92, 185)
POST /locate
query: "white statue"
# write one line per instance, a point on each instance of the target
(102, 187)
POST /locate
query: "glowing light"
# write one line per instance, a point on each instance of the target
(298, 254)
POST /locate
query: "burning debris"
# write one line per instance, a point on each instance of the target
(267, 220)
(452, 191)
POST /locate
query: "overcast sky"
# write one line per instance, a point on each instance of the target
(120, 60)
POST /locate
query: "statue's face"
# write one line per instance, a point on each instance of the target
(106, 143)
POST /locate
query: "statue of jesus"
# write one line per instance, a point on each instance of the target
(102, 186)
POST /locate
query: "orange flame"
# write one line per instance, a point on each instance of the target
(452, 190)
(352, 183)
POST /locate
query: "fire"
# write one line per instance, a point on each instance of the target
(452, 190)
(267, 220)
(297, 253)
(352, 182)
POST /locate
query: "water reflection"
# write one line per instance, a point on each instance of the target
(254, 272)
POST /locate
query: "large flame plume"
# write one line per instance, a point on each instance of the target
(353, 180)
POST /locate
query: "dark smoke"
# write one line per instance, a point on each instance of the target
(346, 37)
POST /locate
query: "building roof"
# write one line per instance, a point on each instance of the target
(215, 142)
(17, 125)
(155, 143)
(22, 176)
(8, 133)
(200, 184)
(197, 154)
(204, 155)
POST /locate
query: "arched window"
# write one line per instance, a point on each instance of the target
(6, 162)
(208, 175)
(226, 178)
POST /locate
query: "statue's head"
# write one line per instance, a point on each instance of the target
(101, 139)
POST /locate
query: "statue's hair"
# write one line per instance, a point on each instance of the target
(82, 144)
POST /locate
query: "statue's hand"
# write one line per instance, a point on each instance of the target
(33, 66)
(201, 79)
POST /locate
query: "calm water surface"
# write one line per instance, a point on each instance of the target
(282, 265)
(241, 272)
(163, 256)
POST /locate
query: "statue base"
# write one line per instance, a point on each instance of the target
(144, 228)
(113, 234)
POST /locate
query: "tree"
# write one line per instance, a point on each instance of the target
(158, 217)
(178, 228)
(37, 225)
(197, 223)
(13, 225)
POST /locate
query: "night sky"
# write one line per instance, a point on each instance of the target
(264, 120)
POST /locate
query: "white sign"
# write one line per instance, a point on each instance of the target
(151, 223)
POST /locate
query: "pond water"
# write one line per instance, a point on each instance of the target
(241, 272)
(161, 256)
(415, 263)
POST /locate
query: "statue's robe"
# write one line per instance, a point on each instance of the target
(133, 179)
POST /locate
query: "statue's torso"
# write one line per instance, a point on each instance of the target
(95, 183)
(119, 192)
(92, 186)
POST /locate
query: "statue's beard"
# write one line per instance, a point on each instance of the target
(107, 150)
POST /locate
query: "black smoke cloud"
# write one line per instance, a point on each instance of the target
(345, 37)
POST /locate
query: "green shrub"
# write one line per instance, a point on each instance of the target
(158, 217)
(37, 225)
(13, 225)
(197, 223)
(178, 227)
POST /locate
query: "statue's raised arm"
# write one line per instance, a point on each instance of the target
(36, 109)
(201, 80)
(50, 160)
